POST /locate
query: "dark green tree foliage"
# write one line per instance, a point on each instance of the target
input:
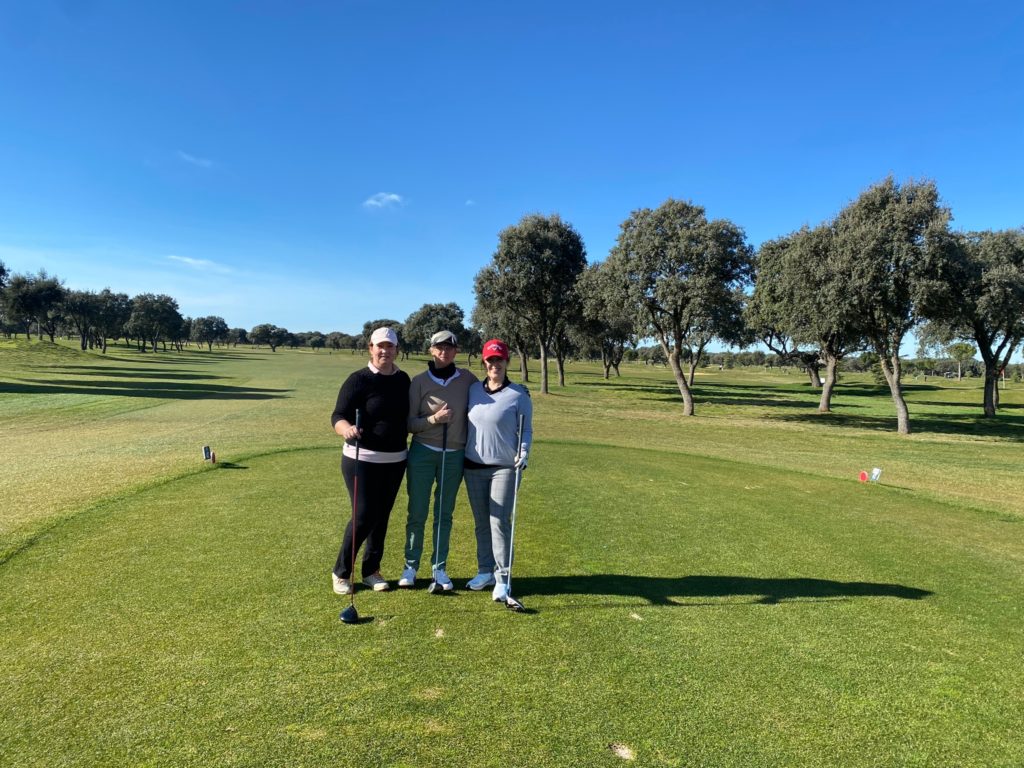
(606, 324)
(81, 309)
(113, 314)
(892, 241)
(471, 342)
(154, 320)
(238, 336)
(684, 274)
(496, 317)
(208, 330)
(801, 296)
(269, 334)
(428, 320)
(316, 340)
(534, 270)
(18, 308)
(35, 298)
(987, 291)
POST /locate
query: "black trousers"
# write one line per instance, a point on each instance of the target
(373, 487)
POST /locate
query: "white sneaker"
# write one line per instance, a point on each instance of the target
(481, 580)
(377, 582)
(341, 586)
(500, 593)
(408, 577)
(442, 580)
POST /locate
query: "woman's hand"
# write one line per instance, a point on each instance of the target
(348, 431)
(441, 416)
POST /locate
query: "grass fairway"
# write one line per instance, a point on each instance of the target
(717, 591)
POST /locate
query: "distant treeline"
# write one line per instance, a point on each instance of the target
(845, 294)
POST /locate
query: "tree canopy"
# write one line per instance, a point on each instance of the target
(428, 320)
(684, 275)
(528, 288)
(891, 241)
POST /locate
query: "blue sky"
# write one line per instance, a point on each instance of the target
(319, 164)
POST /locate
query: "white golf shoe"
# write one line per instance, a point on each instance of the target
(341, 586)
(500, 593)
(481, 580)
(408, 577)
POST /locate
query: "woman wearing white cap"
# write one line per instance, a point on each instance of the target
(380, 395)
(494, 450)
(437, 420)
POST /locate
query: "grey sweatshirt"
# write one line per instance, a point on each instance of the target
(494, 421)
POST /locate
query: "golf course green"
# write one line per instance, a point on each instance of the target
(718, 590)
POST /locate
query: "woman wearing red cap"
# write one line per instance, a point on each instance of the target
(494, 451)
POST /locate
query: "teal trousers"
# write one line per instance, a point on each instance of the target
(423, 473)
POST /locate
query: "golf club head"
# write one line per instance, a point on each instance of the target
(514, 605)
(432, 588)
(350, 615)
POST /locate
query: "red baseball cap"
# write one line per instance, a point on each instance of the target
(495, 348)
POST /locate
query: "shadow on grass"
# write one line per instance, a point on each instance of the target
(720, 393)
(1004, 426)
(661, 591)
(230, 465)
(159, 389)
(120, 372)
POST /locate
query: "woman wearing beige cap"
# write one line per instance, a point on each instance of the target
(437, 420)
(378, 398)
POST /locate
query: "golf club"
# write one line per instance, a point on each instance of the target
(350, 615)
(437, 512)
(510, 602)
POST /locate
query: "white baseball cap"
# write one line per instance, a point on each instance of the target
(384, 334)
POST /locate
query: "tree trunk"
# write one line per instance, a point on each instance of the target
(677, 371)
(891, 370)
(691, 371)
(991, 390)
(543, 368)
(560, 364)
(825, 404)
(524, 371)
(815, 377)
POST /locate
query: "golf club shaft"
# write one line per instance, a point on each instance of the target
(439, 506)
(515, 499)
(355, 501)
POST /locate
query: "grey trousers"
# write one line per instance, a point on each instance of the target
(490, 493)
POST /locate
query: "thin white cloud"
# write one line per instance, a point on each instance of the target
(383, 200)
(470, 202)
(200, 162)
(204, 265)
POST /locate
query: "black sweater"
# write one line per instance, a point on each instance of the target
(383, 403)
